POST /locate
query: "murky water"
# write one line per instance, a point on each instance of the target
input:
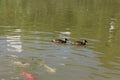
(28, 26)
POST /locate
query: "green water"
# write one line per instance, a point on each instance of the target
(28, 26)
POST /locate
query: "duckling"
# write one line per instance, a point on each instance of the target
(80, 43)
(60, 40)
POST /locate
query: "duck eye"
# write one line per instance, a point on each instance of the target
(85, 40)
(66, 39)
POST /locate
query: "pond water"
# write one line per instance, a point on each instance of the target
(28, 26)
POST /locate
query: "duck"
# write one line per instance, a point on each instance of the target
(80, 43)
(60, 40)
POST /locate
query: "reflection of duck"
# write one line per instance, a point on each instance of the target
(60, 40)
(80, 43)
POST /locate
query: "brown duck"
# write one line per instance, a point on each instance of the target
(80, 43)
(60, 40)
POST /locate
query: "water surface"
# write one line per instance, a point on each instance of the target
(28, 26)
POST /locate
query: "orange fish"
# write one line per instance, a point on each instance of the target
(29, 76)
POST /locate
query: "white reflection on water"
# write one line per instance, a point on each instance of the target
(14, 42)
(18, 30)
(111, 32)
(67, 33)
(112, 27)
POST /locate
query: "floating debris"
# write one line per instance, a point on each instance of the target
(13, 56)
(49, 69)
(20, 64)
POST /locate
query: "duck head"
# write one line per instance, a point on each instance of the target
(66, 39)
(84, 42)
